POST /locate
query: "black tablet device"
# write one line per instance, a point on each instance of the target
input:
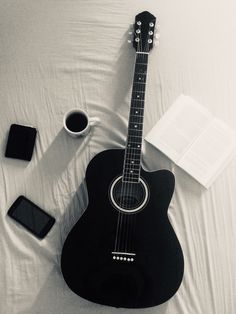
(31, 216)
(21, 141)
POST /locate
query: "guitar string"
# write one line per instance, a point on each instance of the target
(132, 187)
(120, 214)
(146, 75)
(126, 185)
(132, 152)
(137, 91)
(144, 59)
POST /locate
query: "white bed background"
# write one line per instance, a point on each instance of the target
(59, 54)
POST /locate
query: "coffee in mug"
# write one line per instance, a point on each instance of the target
(77, 122)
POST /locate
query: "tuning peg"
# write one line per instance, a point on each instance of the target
(156, 43)
(157, 36)
(130, 33)
(129, 41)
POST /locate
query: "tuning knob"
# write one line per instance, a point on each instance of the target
(129, 41)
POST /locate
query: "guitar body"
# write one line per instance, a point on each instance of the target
(91, 270)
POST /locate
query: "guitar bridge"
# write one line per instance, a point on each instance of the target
(123, 256)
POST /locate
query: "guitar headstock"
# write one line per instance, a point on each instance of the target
(143, 34)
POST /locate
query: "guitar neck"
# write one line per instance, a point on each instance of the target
(132, 160)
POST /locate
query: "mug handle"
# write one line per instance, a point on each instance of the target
(94, 121)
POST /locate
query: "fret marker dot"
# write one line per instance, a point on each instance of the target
(132, 162)
(131, 171)
(135, 126)
(137, 96)
(138, 145)
(136, 111)
(139, 78)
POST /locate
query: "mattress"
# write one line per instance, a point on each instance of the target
(59, 54)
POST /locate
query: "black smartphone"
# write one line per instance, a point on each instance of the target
(31, 216)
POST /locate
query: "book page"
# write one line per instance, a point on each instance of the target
(179, 127)
(210, 153)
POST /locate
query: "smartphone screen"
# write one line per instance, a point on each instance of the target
(31, 216)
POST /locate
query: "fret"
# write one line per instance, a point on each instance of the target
(129, 165)
(138, 122)
(141, 63)
(139, 91)
(135, 154)
(138, 147)
(137, 105)
(142, 54)
(133, 167)
(135, 120)
(136, 129)
(132, 149)
(136, 140)
(132, 159)
(137, 99)
(137, 163)
(135, 132)
(136, 116)
(136, 136)
(138, 109)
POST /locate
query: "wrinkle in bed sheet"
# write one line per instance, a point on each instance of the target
(59, 54)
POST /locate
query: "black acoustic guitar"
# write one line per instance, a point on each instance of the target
(123, 251)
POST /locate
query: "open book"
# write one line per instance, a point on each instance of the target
(194, 139)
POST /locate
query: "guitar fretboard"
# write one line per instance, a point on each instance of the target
(132, 161)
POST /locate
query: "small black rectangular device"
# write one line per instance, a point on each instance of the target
(20, 142)
(31, 216)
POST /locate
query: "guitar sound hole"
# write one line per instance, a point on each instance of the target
(128, 197)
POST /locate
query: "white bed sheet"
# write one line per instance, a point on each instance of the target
(55, 55)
